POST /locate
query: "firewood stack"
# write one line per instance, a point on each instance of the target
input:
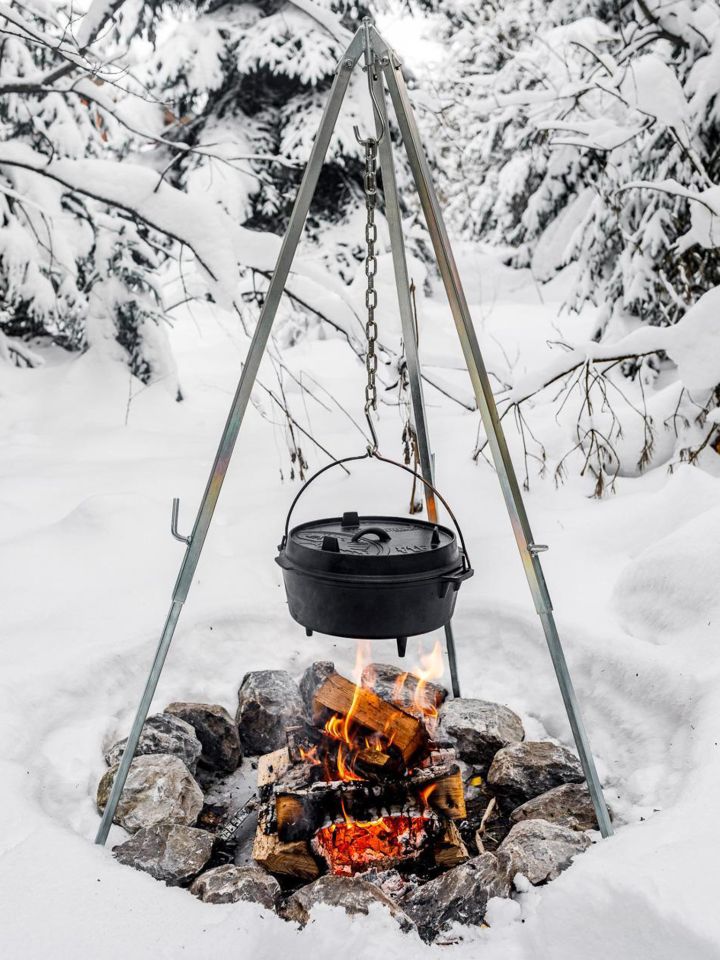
(364, 785)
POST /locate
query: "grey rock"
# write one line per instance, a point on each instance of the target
(351, 893)
(167, 851)
(542, 850)
(315, 675)
(162, 734)
(228, 884)
(159, 787)
(397, 686)
(269, 701)
(458, 896)
(392, 883)
(479, 729)
(569, 805)
(217, 732)
(525, 770)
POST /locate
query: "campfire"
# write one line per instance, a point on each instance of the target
(375, 790)
(366, 784)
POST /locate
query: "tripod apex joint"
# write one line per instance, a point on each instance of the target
(389, 76)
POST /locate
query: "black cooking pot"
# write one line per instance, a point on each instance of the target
(372, 577)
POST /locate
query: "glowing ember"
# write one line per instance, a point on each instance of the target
(355, 845)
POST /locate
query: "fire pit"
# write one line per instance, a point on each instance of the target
(354, 793)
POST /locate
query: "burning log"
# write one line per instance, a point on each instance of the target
(443, 792)
(287, 859)
(366, 709)
(449, 849)
(306, 744)
(271, 766)
(291, 859)
(300, 813)
(303, 741)
(415, 694)
(375, 763)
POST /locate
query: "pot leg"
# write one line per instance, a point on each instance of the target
(401, 646)
(452, 661)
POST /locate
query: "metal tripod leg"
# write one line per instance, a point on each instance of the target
(486, 403)
(235, 417)
(402, 283)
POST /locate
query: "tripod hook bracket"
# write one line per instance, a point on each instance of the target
(174, 522)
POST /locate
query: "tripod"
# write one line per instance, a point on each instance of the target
(384, 70)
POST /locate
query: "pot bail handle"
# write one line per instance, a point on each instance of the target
(312, 479)
(372, 454)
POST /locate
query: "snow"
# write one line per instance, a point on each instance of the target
(98, 14)
(139, 190)
(704, 219)
(87, 564)
(652, 87)
(668, 592)
(693, 344)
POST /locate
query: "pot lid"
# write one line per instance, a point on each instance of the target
(372, 545)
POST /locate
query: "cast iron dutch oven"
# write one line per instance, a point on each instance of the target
(372, 577)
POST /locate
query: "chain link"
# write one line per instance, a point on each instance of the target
(371, 330)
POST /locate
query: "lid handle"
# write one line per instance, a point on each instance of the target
(382, 535)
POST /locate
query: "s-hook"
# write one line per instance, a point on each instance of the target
(370, 69)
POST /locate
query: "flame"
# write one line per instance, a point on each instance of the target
(431, 668)
(342, 728)
(335, 727)
(339, 728)
(426, 792)
(398, 690)
(311, 756)
(345, 770)
(363, 656)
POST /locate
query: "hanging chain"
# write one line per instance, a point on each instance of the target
(370, 145)
(371, 330)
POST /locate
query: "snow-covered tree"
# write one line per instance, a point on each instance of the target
(71, 268)
(219, 100)
(589, 134)
(245, 84)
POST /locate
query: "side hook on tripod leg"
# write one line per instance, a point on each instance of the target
(174, 522)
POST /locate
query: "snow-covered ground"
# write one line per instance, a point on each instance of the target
(88, 466)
